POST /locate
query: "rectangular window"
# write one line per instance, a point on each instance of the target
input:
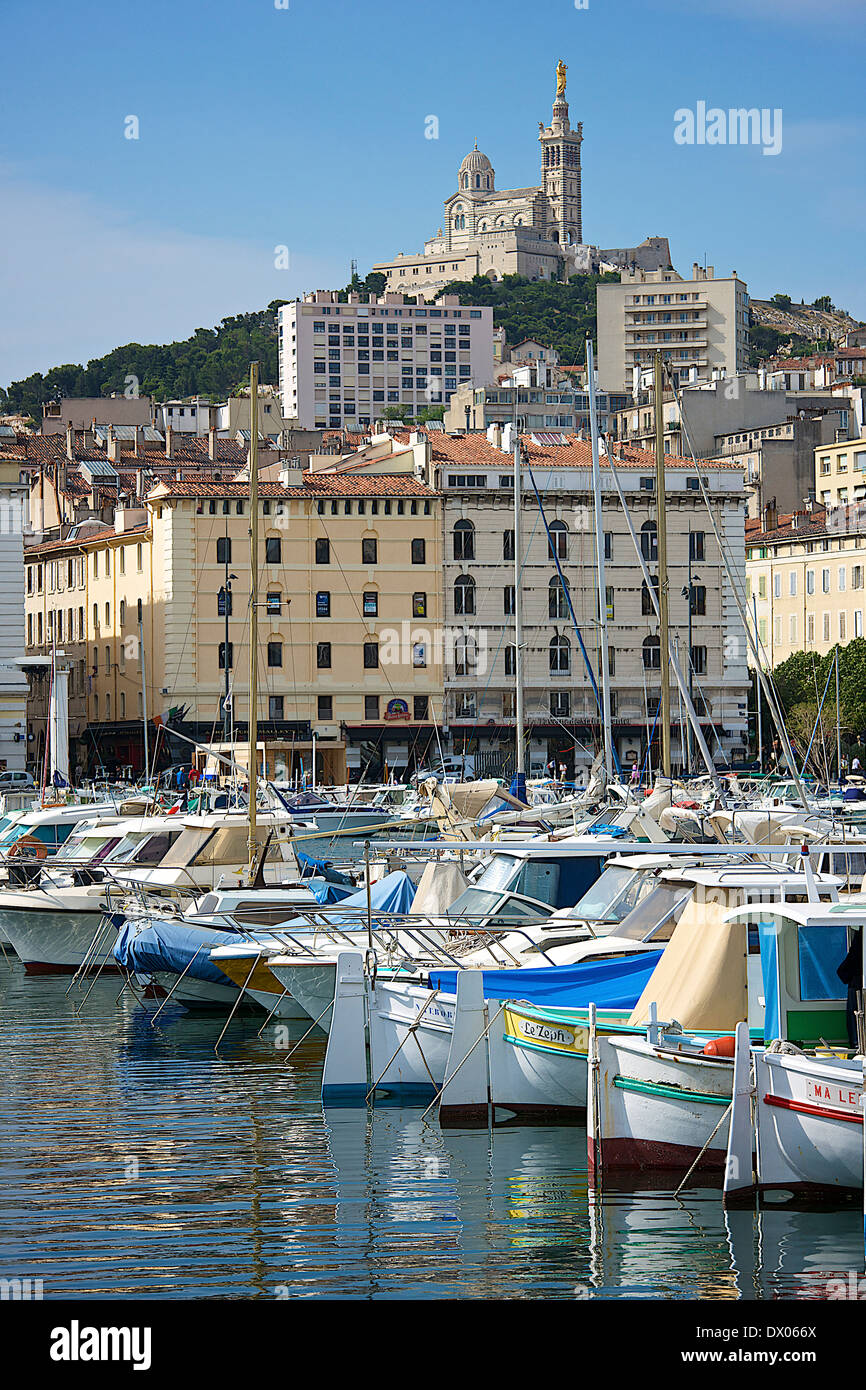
(223, 550)
(275, 653)
(325, 707)
(419, 552)
(696, 545)
(508, 545)
(825, 581)
(371, 656)
(273, 550)
(810, 582)
(371, 707)
(810, 627)
(419, 605)
(273, 603)
(323, 656)
(323, 604)
(371, 605)
(323, 551)
(275, 707)
(508, 602)
(792, 583)
(842, 579)
(369, 551)
(222, 655)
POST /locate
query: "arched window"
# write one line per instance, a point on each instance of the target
(465, 180)
(477, 180)
(465, 656)
(646, 604)
(560, 656)
(464, 594)
(558, 540)
(649, 541)
(652, 654)
(464, 541)
(557, 603)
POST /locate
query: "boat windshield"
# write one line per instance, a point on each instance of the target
(147, 848)
(476, 905)
(613, 895)
(86, 849)
(654, 917)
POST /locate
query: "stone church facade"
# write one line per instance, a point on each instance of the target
(535, 232)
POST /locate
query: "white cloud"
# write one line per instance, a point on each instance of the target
(78, 278)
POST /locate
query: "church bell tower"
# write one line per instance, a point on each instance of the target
(560, 169)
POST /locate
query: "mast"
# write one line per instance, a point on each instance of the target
(662, 542)
(253, 736)
(518, 622)
(603, 654)
(143, 698)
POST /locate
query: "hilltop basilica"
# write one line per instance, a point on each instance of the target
(536, 232)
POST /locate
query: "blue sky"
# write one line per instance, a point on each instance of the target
(261, 127)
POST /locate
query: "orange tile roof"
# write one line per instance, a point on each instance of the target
(314, 485)
(476, 450)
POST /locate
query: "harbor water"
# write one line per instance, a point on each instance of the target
(136, 1162)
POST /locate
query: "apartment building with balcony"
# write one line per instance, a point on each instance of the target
(701, 325)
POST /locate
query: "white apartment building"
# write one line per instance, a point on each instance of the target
(475, 475)
(701, 325)
(342, 365)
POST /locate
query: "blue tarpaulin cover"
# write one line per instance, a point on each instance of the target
(325, 891)
(609, 984)
(322, 868)
(172, 945)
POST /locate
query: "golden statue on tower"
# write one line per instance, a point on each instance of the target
(560, 79)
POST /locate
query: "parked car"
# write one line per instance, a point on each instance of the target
(16, 781)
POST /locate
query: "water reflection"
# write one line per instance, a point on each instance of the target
(133, 1160)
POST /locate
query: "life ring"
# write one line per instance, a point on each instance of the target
(29, 843)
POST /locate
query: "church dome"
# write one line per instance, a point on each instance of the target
(476, 171)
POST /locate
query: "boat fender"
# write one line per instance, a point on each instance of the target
(720, 1047)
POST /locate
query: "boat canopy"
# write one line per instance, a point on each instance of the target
(609, 984)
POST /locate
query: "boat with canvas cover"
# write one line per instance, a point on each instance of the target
(663, 1100)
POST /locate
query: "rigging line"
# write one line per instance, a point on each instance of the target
(738, 591)
(565, 590)
(505, 628)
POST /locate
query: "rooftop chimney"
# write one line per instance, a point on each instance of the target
(769, 515)
(111, 449)
(211, 443)
(139, 442)
(169, 442)
(70, 441)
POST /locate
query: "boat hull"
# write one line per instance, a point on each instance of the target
(809, 1125)
(657, 1109)
(53, 941)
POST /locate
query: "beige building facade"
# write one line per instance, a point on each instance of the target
(349, 599)
(700, 324)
